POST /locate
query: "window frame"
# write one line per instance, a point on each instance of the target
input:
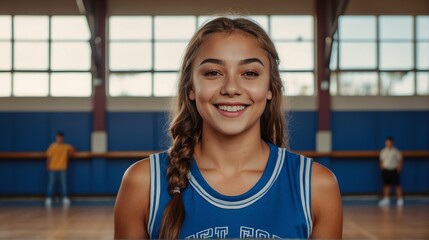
(336, 69)
(198, 21)
(50, 41)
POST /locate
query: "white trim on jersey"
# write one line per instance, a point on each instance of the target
(155, 191)
(246, 202)
(305, 186)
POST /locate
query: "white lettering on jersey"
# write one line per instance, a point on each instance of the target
(222, 232)
(247, 232)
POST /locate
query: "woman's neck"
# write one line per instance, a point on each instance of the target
(231, 153)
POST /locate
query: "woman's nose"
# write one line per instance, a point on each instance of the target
(231, 86)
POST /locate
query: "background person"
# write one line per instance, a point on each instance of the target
(58, 154)
(391, 166)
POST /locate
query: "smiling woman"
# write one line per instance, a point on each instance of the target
(229, 157)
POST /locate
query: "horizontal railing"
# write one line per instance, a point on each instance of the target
(144, 154)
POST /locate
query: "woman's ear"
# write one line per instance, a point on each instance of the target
(191, 95)
(269, 95)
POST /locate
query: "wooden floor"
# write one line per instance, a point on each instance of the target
(372, 222)
(95, 221)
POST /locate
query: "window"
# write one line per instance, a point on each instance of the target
(422, 49)
(145, 52)
(358, 83)
(385, 55)
(44, 56)
(294, 40)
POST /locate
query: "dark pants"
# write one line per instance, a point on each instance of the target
(390, 177)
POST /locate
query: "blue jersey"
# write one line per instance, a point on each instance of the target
(278, 206)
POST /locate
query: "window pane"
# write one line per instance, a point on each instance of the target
(396, 27)
(70, 56)
(333, 86)
(357, 27)
(423, 83)
(130, 56)
(292, 27)
(129, 84)
(298, 84)
(70, 27)
(296, 56)
(358, 83)
(165, 84)
(5, 84)
(333, 65)
(168, 56)
(71, 84)
(397, 83)
(6, 27)
(31, 27)
(396, 56)
(5, 56)
(174, 27)
(30, 84)
(358, 55)
(423, 56)
(422, 27)
(130, 28)
(31, 56)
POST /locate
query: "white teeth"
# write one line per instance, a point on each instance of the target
(231, 108)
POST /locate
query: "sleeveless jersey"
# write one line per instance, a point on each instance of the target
(277, 206)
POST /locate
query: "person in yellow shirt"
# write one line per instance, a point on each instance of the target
(57, 159)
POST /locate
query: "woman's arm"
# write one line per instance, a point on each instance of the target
(132, 202)
(326, 204)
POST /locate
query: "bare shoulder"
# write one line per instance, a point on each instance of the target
(133, 201)
(138, 173)
(326, 204)
(324, 186)
(323, 177)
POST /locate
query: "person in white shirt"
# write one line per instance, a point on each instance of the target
(391, 166)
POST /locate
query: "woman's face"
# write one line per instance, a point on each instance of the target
(230, 83)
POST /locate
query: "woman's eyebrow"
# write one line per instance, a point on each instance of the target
(242, 62)
(213, 60)
(251, 60)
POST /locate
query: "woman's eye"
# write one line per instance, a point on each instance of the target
(211, 73)
(251, 74)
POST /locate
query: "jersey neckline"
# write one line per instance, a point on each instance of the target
(270, 174)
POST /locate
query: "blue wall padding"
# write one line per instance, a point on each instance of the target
(139, 131)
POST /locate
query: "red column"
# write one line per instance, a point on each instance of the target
(99, 95)
(323, 95)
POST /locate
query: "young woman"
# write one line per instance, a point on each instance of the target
(227, 173)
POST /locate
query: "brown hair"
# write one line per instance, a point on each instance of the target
(186, 123)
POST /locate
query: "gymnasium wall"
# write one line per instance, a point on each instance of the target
(357, 123)
(33, 131)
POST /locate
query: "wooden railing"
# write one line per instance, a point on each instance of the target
(144, 154)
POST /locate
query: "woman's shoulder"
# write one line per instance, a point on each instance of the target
(323, 177)
(138, 174)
